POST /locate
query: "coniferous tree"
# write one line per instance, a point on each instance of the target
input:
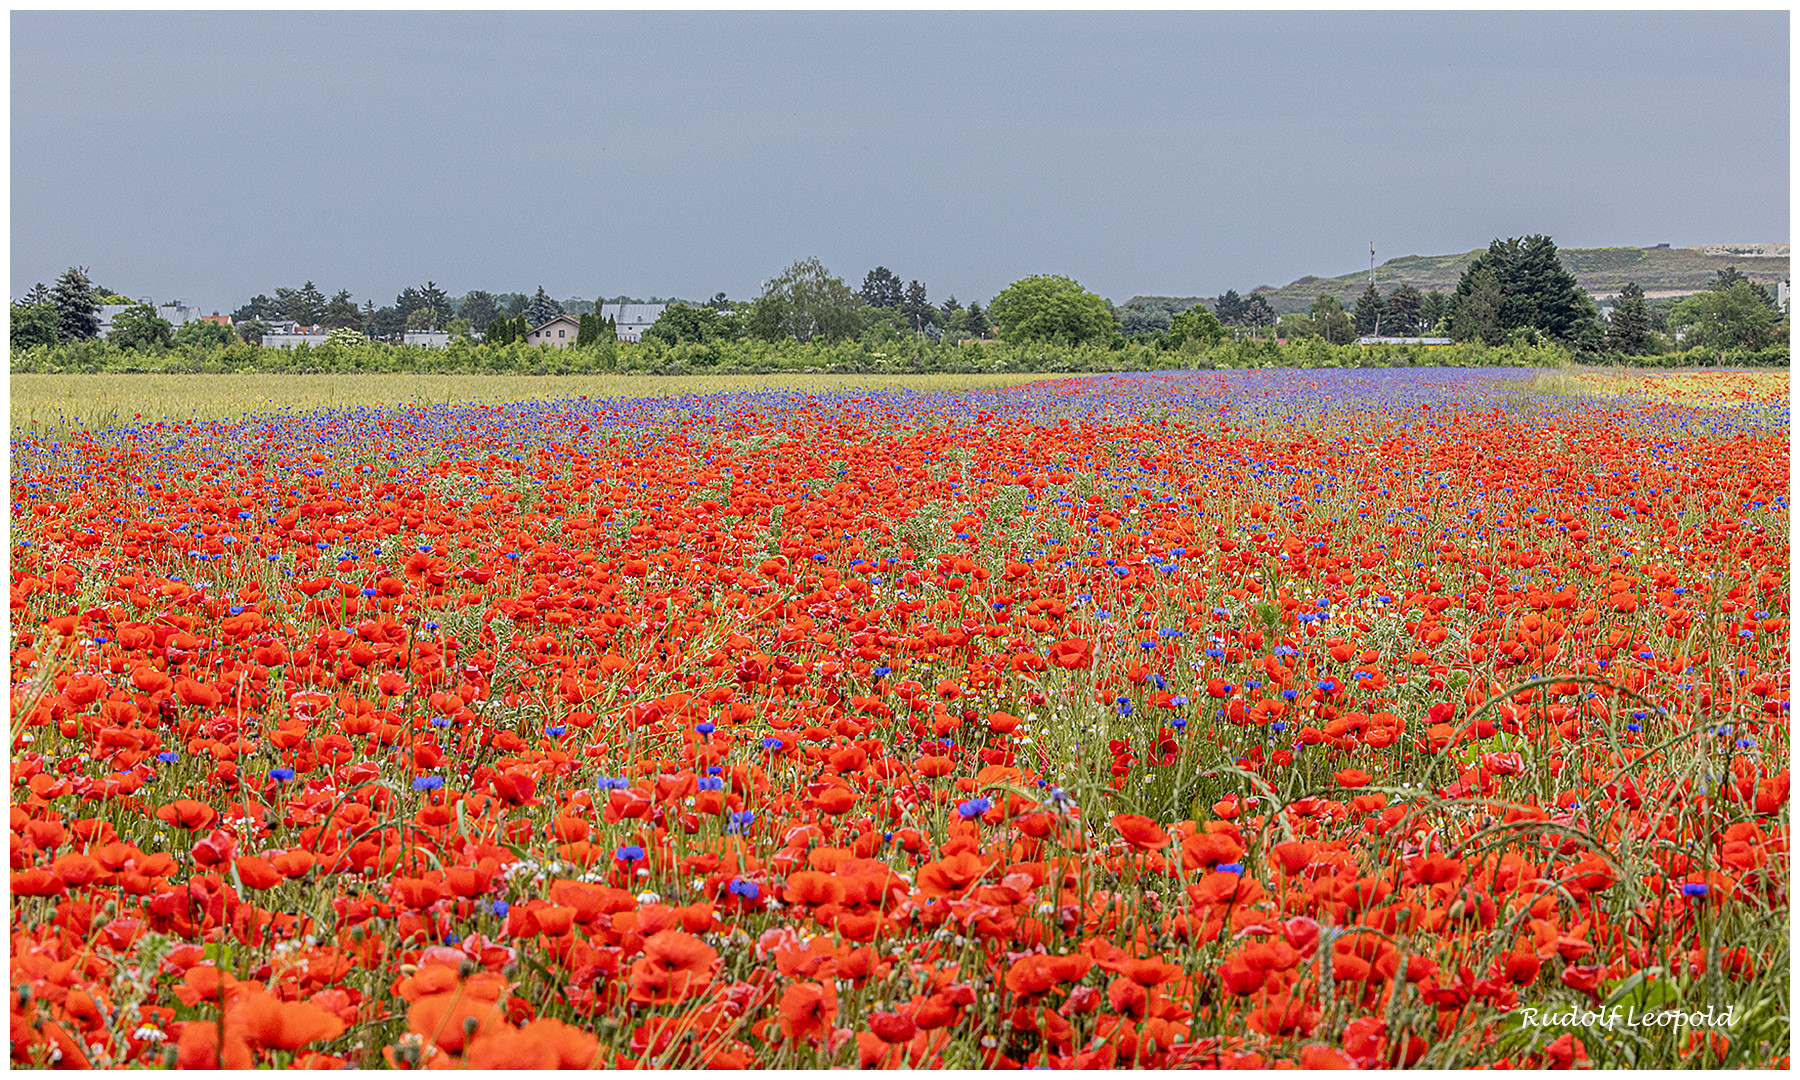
(976, 322)
(1368, 311)
(306, 305)
(1536, 292)
(1400, 311)
(1628, 331)
(433, 299)
(39, 294)
(541, 309)
(917, 307)
(77, 305)
(1479, 304)
(1255, 311)
(882, 289)
(1229, 307)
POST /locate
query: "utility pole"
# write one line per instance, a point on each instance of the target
(1371, 264)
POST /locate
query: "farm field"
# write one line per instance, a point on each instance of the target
(1321, 718)
(55, 405)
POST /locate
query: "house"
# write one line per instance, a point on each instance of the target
(558, 332)
(429, 339)
(215, 317)
(632, 319)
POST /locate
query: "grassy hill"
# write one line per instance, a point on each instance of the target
(1601, 271)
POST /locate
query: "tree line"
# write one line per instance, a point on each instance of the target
(1516, 293)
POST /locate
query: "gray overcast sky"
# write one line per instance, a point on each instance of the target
(214, 155)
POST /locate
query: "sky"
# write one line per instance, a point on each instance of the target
(210, 156)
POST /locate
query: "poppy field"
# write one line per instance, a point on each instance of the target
(1317, 719)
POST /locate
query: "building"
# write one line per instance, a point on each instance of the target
(428, 339)
(1428, 342)
(558, 332)
(309, 335)
(632, 319)
(175, 312)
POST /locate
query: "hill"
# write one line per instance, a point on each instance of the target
(1659, 271)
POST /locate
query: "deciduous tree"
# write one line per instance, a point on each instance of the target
(1051, 307)
(807, 303)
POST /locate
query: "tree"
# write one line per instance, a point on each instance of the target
(1628, 331)
(1229, 307)
(1537, 292)
(388, 324)
(1368, 311)
(514, 303)
(478, 307)
(541, 309)
(1196, 325)
(881, 289)
(407, 302)
(435, 300)
(499, 330)
(202, 333)
(680, 322)
(1400, 312)
(1434, 311)
(1731, 276)
(976, 323)
(1138, 319)
(260, 307)
(1738, 317)
(1051, 307)
(306, 305)
(39, 294)
(917, 307)
(422, 318)
(1331, 322)
(1478, 305)
(807, 303)
(719, 302)
(252, 330)
(77, 306)
(140, 327)
(345, 337)
(341, 311)
(33, 324)
(1255, 311)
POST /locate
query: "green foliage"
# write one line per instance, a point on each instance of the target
(1535, 292)
(1629, 328)
(881, 289)
(541, 309)
(33, 325)
(1331, 322)
(1051, 308)
(1735, 317)
(140, 327)
(77, 306)
(682, 323)
(345, 338)
(1369, 311)
(1196, 326)
(807, 303)
(197, 333)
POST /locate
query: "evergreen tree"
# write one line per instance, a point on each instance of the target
(1255, 311)
(882, 289)
(1479, 302)
(341, 312)
(917, 307)
(1434, 310)
(1628, 331)
(499, 330)
(976, 322)
(409, 301)
(541, 309)
(307, 305)
(1537, 292)
(77, 306)
(1368, 311)
(1229, 308)
(1400, 312)
(39, 294)
(479, 308)
(437, 302)
(1731, 276)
